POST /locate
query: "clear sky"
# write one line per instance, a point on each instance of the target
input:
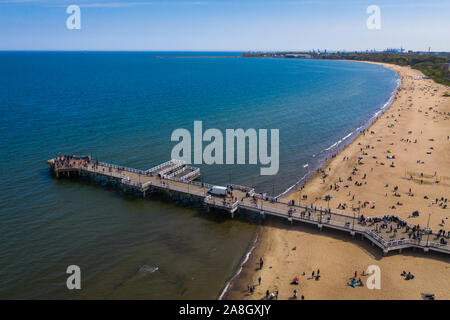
(224, 25)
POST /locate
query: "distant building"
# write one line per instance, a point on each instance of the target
(297, 55)
(393, 50)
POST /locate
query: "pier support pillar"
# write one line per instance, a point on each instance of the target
(426, 249)
(385, 252)
(320, 226)
(352, 234)
(208, 209)
(263, 215)
(399, 250)
(232, 214)
(143, 194)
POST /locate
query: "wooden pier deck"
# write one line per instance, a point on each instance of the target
(175, 177)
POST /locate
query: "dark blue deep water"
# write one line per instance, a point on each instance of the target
(122, 108)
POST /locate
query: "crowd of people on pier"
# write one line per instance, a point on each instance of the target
(70, 161)
(393, 224)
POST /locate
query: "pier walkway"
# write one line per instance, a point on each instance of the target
(387, 232)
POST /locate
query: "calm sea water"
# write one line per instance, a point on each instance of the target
(122, 108)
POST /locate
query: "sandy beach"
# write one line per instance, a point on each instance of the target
(402, 165)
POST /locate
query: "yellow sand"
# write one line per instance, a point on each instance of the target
(411, 119)
(336, 254)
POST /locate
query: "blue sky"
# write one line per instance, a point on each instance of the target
(224, 25)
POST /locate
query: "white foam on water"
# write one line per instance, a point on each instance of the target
(147, 269)
(380, 111)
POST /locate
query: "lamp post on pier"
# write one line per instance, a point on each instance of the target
(353, 220)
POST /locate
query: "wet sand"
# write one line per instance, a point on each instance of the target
(416, 128)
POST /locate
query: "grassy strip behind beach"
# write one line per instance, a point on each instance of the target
(435, 67)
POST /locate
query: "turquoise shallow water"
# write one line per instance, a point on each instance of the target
(122, 108)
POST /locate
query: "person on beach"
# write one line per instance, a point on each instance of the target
(259, 280)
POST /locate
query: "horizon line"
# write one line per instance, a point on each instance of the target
(210, 50)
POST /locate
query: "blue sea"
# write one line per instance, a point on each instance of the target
(122, 107)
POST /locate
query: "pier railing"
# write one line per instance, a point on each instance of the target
(195, 172)
(175, 167)
(319, 216)
(114, 166)
(173, 174)
(165, 164)
(111, 174)
(162, 165)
